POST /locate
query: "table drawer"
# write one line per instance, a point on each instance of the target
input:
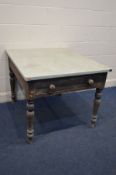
(61, 85)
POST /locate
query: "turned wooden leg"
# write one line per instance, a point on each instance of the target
(13, 85)
(30, 120)
(96, 105)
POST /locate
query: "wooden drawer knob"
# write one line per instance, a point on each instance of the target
(52, 87)
(91, 82)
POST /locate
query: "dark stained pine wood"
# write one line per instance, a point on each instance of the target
(96, 105)
(30, 118)
(13, 85)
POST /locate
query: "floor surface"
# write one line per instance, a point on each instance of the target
(63, 144)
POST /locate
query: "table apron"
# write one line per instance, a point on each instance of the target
(67, 84)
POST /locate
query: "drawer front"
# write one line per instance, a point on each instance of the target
(67, 84)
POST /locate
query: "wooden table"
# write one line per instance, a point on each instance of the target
(52, 71)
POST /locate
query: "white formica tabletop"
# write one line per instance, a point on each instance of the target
(43, 63)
